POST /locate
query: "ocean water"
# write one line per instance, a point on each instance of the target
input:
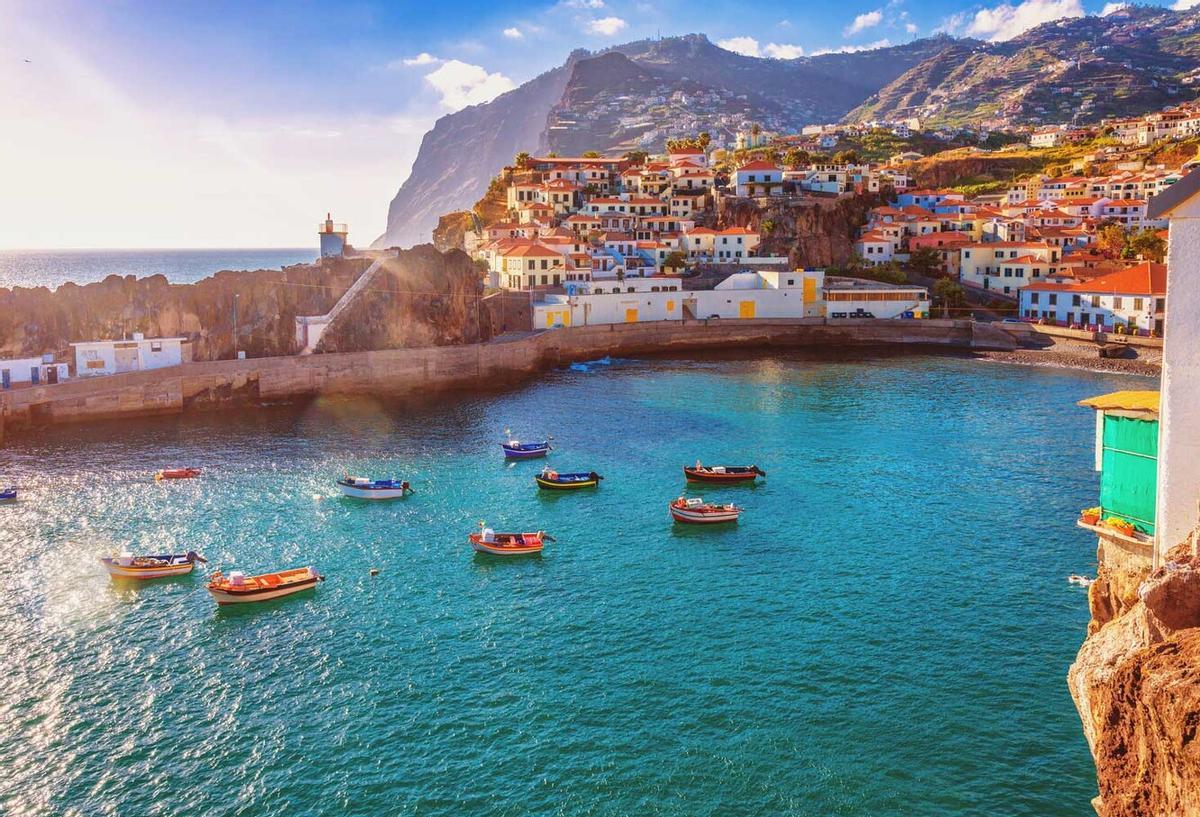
(50, 268)
(886, 632)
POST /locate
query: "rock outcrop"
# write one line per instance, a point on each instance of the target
(1136, 683)
(812, 232)
(422, 297)
(36, 321)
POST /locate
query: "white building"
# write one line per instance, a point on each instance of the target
(32, 370)
(1133, 299)
(856, 298)
(99, 357)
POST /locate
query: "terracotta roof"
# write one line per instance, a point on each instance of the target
(535, 249)
(759, 164)
(1146, 278)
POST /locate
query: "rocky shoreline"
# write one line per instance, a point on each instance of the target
(1071, 354)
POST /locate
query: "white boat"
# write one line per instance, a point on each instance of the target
(238, 588)
(364, 488)
(157, 566)
(695, 511)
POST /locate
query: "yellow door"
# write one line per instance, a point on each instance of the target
(810, 290)
(631, 315)
(746, 309)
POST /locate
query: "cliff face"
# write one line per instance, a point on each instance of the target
(1136, 683)
(816, 232)
(421, 298)
(36, 321)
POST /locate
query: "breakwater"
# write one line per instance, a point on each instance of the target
(233, 383)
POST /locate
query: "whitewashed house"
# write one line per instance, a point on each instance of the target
(100, 357)
(31, 371)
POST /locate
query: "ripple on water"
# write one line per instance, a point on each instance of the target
(886, 632)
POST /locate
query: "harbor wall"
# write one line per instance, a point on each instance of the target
(233, 383)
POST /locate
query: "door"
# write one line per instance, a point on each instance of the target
(746, 309)
(126, 357)
(631, 314)
(35, 376)
(5, 379)
(52, 375)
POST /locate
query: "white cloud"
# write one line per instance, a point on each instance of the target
(1109, 8)
(424, 58)
(783, 51)
(741, 45)
(954, 24)
(862, 22)
(462, 84)
(606, 26)
(513, 33)
(788, 23)
(1005, 21)
(852, 49)
(911, 28)
(1184, 5)
(583, 4)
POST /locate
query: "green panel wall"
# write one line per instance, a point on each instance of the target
(1129, 475)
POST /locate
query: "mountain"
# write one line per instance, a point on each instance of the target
(633, 95)
(1081, 70)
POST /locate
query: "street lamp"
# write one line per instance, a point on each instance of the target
(235, 326)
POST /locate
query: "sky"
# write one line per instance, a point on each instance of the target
(169, 123)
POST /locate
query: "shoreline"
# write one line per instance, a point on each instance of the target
(1079, 355)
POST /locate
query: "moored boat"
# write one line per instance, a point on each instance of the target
(8, 494)
(508, 544)
(553, 480)
(722, 473)
(695, 511)
(177, 473)
(364, 488)
(238, 588)
(156, 566)
(517, 450)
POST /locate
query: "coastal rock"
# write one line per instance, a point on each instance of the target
(421, 297)
(812, 232)
(1136, 684)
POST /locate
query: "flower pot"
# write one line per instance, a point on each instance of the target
(1089, 518)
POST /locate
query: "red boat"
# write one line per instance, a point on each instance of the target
(696, 511)
(177, 473)
(508, 544)
(722, 473)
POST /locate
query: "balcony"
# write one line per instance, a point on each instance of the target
(327, 227)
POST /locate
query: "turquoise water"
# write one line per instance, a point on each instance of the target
(50, 268)
(886, 632)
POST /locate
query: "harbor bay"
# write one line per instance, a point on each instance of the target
(885, 631)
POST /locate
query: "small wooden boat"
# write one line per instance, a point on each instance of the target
(238, 588)
(363, 488)
(554, 481)
(177, 473)
(128, 566)
(695, 511)
(722, 473)
(508, 544)
(8, 494)
(517, 450)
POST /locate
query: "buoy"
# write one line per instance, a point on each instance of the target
(374, 571)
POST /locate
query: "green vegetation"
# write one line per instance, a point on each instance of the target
(926, 261)
(1115, 241)
(948, 295)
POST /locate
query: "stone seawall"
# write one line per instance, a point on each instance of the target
(231, 383)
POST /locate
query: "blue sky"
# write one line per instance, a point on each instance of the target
(211, 124)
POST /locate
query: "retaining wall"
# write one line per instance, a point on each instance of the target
(231, 383)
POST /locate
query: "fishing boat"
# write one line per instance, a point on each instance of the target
(238, 588)
(157, 566)
(553, 480)
(177, 473)
(517, 450)
(364, 488)
(8, 494)
(722, 473)
(508, 544)
(695, 511)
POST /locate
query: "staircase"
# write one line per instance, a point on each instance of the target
(309, 328)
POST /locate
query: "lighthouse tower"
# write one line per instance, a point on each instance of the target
(333, 238)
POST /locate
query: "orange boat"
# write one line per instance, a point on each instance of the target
(177, 473)
(508, 544)
(238, 588)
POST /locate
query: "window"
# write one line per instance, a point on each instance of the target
(156, 346)
(1137, 304)
(1095, 302)
(1116, 302)
(1033, 298)
(1054, 299)
(1076, 300)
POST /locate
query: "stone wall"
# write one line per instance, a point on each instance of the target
(232, 383)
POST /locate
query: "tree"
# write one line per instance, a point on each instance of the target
(1147, 245)
(704, 139)
(796, 157)
(591, 154)
(948, 294)
(620, 275)
(846, 157)
(675, 261)
(637, 157)
(926, 261)
(1110, 239)
(522, 160)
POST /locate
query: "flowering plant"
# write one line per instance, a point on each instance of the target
(1119, 524)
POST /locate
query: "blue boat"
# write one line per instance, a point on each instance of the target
(7, 494)
(554, 481)
(517, 450)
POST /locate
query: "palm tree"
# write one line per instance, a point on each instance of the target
(522, 160)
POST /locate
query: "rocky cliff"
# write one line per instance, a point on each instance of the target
(420, 298)
(625, 97)
(1136, 683)
(813, 232)
(36, 321)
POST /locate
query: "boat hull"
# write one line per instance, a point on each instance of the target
(498, 549)
(689, 517)
(8, 496)
(177, 473)
(692, 475)
(225, 597)
(525, 453)
(550, 485)
(372, 493)
(156, 572)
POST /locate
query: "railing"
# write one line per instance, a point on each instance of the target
(327, 227)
